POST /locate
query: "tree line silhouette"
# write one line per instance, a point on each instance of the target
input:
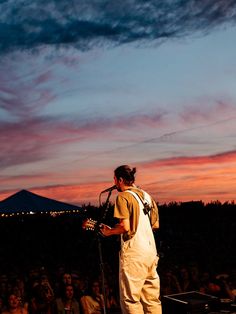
(189, 231)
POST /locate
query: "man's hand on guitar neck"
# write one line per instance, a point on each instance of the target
(105, 230)
(120, 228)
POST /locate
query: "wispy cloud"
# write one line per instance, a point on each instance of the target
(225, 157)
(24, 96)
(28, 25)
(218, 115)
(34, 138)
(28, 135)
(208, 110)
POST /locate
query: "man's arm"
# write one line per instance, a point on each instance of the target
(155, 216)
(120, 228)
(156, 225)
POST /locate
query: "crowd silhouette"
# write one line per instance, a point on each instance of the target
(51, 265)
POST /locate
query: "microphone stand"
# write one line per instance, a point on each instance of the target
(100, 220)
(105, 207)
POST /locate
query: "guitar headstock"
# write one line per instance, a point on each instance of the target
(89, 224)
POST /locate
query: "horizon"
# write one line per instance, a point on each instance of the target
(112, 199)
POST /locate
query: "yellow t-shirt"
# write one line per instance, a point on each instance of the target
(126, 206)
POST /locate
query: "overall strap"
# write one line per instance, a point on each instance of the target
(146, 205)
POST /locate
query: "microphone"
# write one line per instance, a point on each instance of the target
(109, 189)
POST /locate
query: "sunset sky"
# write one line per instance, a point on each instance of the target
(86, 86)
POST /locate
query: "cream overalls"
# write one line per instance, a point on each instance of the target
(139, 281)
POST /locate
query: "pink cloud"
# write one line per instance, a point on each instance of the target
(43, 78)
(225, 157)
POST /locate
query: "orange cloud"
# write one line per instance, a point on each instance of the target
(203, 178)
(194, 160)
(196, 178)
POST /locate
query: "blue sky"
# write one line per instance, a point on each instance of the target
(83, 91)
